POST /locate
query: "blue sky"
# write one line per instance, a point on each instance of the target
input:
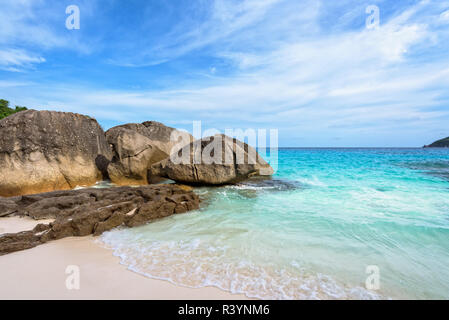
(310, 69)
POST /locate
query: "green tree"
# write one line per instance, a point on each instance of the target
(5, 110)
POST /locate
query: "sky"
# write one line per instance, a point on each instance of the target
(311, 69)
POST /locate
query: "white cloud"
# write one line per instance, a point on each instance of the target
(11, 84)
(228, 24)
(31, 28)
(289, 71)
(15, 60)
(445, 16)
(24, 22)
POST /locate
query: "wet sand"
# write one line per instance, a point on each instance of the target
(43, 272)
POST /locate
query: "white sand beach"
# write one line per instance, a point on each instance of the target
(18, 224)
(40, 273)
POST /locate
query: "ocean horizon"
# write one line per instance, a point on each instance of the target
(313, 231)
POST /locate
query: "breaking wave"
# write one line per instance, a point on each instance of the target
(196, 264)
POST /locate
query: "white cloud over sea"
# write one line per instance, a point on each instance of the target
(309, 68)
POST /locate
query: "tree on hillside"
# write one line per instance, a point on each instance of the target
(5, 110)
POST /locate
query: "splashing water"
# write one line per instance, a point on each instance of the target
(311, 231)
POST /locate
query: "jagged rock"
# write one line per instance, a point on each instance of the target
(7, 207)
(94, 211)
(212, 161)
(47, 150)
(18, 241)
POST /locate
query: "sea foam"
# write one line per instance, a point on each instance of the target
(311, 231)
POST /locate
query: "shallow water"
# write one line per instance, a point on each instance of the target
(311, 231)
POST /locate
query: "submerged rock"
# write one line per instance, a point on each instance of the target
(269, 184)
(212, 161)
(136, 146)
(435, 168)
(92, 211)
(46, 150)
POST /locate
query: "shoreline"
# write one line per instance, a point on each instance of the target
(40, 273)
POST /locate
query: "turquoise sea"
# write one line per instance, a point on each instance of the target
(311, 231)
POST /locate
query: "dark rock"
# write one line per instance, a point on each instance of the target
(47, 150)
(94, 211)
(110, 223)
(212, 161)
(7, 207)
(270, 184)
(18, 241)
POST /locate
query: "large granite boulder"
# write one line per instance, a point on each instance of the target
(136, 146)
(46, 150)
(213, 160)
(92, 211)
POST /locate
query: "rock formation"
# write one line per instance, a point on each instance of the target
(212, 161)
(46, 150)
(43, 151)
(443, 143)
(91, 211)
(136, 146)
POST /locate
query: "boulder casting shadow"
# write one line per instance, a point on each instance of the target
(46, 150)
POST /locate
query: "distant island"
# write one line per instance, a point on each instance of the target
(5, 110)
(443, 143)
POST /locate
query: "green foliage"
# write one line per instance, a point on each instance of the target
(5, 110)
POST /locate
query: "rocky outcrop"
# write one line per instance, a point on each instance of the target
(7, 207)
(46, 150)
(212, 161)
(443, 143)
(136, 146)
(91, 211)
